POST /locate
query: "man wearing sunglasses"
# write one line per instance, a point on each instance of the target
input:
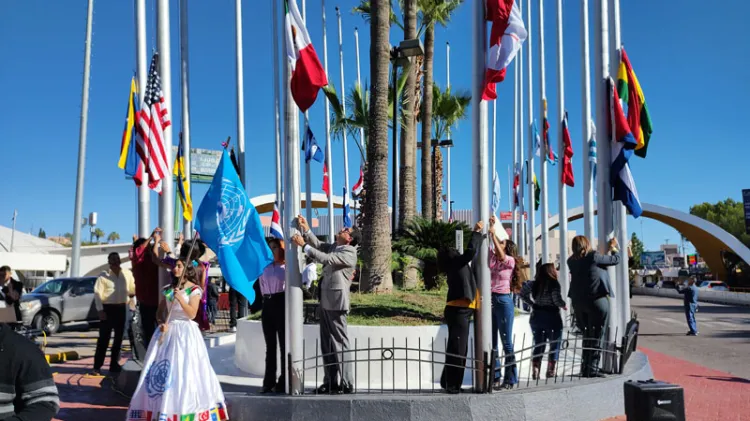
(339, 264)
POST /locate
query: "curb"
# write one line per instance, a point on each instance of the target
(61, 357)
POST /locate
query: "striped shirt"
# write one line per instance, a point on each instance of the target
(547, 298)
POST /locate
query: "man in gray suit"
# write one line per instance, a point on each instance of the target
(339, 264)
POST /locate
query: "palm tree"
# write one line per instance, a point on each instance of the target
(433, 11)
(408, 170)
(98, 233)
(447, 110)
(113, 236)
(376, 247)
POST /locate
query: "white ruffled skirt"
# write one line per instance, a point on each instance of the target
(177, 381)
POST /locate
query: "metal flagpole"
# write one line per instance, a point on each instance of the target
(544, 202)
(293, 278)
(588, 186)
(359, 82)
(480, 177)
(343, 105)
(513, 210)
(519, 155)
(448, 152)
(603, 147)
(308, 177)
(187, 226)
(240, 91)
(530, 170)
(277, 105)
(75, 259)
(562, 193)
(331, 228)
(620, 213)
(144, 192)
(493, 161)
(166, 200)
(13, 230)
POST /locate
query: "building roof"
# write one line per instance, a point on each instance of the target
(25, 243)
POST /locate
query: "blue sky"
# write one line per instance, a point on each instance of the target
(694, 91)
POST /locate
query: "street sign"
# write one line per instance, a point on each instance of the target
(746, 201)
(653, 258)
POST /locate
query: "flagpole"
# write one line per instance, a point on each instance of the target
(293, 280)
(562, 193)
(187, 225)
(343, 106)
(493, 161)
(359, 82)
(240, 90)
(328, 158)
(621, 214)
(448, 152)
(530, 170)
(144, 192)
(544, 202)
(308, 176)
(480, 176)
(75, 260)
(277, 105)
(514, 214)
(603, 147)
(588, 186)
(518, 156)
(166, 200)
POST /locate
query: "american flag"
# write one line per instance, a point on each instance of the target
(151, 123)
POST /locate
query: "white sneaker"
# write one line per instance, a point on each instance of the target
(233, 329)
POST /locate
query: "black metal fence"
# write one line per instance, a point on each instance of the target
(414, 367)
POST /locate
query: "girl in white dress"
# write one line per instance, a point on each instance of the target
(177, 381)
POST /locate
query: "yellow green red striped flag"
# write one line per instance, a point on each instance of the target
(630, 93)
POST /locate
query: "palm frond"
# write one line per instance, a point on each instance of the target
(365, 10)
(422, 238)
(447, 109)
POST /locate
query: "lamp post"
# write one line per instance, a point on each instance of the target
(399, 56)
(445, 143)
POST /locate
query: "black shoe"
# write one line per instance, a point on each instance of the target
(594, 374)
(692, 334)
(116, 369)
(266, 390)
(453, 391)
(279, 388)
(326, 389)
(346, 389)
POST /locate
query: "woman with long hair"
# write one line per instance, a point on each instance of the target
(543, 295)
(505, 281)
(272, 318)
(177, 377)
(589, 294)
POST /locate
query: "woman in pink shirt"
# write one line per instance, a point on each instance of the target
(504, 276)
(272, 317)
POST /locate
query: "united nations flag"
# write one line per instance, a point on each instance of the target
(230, 226)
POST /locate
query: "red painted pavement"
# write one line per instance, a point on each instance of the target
(84, 398)
(710, 395)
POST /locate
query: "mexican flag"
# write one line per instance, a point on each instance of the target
(308, 75)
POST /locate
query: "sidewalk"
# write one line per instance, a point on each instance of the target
(84, 398)
(710, 395)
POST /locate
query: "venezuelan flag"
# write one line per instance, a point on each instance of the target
(630, 93)
(129, 159)
(183, 184)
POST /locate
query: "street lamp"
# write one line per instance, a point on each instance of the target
(446, 143)
(399, 57)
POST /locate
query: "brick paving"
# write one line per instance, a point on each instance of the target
(84, 398)
(710, 395)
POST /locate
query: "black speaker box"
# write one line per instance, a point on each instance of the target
(653, 400)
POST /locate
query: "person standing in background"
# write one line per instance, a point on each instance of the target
(146, 274)
(690, 300)
(112, 291)
(11, 291)
(272, 286)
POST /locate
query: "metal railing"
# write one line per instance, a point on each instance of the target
(401, 368)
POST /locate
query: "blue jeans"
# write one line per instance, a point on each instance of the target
(503, 312)
(690, 316)
(546, 325)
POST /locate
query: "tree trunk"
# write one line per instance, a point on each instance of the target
(376, 246)
(438, 177)
(427, 187)
(408, 183)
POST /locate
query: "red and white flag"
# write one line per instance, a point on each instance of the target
(276, 231)
(326, 181)
(357, 189)
(506, 37)
(152, 121)
(567, 176)
(308, 75)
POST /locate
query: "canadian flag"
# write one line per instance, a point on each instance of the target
(308, 75)
(506, 37)
(357, 189)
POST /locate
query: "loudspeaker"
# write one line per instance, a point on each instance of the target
(653, 400)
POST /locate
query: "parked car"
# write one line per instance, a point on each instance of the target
(59, 301)
(713, 285)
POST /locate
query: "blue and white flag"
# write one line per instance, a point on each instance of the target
(495, 205)
(230, 226)
(592, 155)
(347, 219)
(311, 148)
(537, 139)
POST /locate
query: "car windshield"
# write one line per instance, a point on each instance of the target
(55, 286)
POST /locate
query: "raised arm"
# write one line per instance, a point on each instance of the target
(499, 246)
(607, 260)
(471, 251)
(344, 257)
(526, 292)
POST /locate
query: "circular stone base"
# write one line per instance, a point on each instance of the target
(579, 400)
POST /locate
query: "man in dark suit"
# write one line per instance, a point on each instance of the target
(11, 291)
(339, 263)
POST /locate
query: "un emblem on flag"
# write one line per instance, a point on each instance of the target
(232, 213)
(158, 378)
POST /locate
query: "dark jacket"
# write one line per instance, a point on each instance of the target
(212, 293)
(589, 279)
(17, 286)
(27, 390)
(461, 280)
(690, 295)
